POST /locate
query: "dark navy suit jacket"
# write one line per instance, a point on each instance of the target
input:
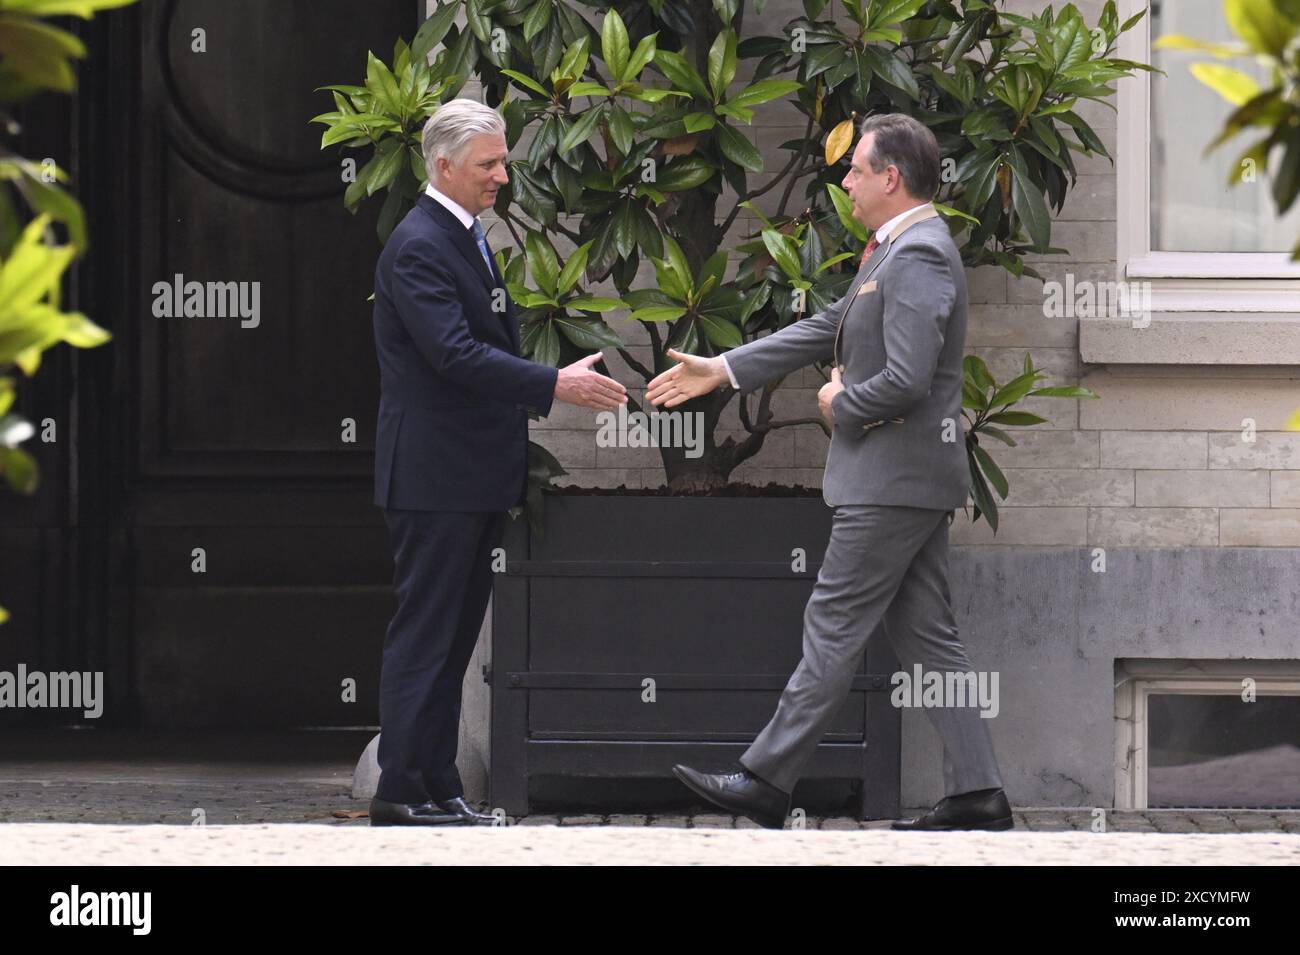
(455, 395)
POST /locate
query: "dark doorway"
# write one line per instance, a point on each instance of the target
(204, 533)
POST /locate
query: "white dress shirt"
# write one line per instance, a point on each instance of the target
(459, 211)
(881, 235)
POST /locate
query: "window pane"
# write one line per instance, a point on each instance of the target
(1193, 209)
(1221, 752)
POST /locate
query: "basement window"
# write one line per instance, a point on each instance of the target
(1202, 734)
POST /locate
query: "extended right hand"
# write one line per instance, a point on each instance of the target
(579, 385)
(691, 377)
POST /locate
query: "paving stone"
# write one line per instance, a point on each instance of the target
(582, 820)
(1213, 822)
(713, 822)
(839, 824)
(1173, 821)
(627, 820)
(669, 822)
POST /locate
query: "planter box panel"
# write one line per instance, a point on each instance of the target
(689, 715)
(666, 625)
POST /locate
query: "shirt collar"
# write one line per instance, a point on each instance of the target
(452, 205)
(883, 232)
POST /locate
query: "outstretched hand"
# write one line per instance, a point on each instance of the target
(691, 377)
(579, 385)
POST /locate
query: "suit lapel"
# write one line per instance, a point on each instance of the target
(463, 240)
(877, 259)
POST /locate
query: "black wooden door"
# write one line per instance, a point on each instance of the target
(224, 558)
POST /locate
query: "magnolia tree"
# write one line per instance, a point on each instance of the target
(638, 124)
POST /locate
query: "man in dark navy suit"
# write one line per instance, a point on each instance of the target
(450, 453)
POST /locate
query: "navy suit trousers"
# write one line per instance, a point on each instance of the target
(443, 578)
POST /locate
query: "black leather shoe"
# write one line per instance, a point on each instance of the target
(741, 793)
(460, 807)
(385, 813)
(981, 809)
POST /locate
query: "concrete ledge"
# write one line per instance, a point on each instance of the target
(1194, 338)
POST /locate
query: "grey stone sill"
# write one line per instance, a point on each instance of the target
(1194, 338)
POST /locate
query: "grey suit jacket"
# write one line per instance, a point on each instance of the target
(898, 338)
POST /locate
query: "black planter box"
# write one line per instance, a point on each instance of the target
(699, 595)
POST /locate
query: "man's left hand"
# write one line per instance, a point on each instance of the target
(827, 395)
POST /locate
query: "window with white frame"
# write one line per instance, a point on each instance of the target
(1178, 217)
(1207, 734)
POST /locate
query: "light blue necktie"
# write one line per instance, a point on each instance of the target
(481, 239)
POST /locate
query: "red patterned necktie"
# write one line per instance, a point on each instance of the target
(866, 254)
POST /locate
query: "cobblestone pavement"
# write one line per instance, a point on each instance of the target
(144, 810)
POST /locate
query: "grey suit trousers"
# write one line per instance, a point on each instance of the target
(884, 565)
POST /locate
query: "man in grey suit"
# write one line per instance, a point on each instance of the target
(895, 472)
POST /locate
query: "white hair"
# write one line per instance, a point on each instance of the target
(449, 130)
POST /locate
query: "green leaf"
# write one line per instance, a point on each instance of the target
(546, 350)
(1071, 42)
(587, 89)
(538, 16)
(1030, 205)
(720, 332)
(994, 473)
(844, 209)
(581, 130)
(722, 62)
(1177, 41)
(573, 269)
(527, 82)
(1018, 418)
(587, 333)
(1233, 85)
(686, 172)
(781, 248)
(978, 372)
(1014, 390)
(678, 270)
(594, 303)
(739, 149)
(683, 75)
(893, 70)
(658, 313)
(1065, 391)
(954, 213)
(433, 30)
(386, 168)
(999, 434)
(642, 55)
(984, 504)
(614, 46)
(896, 11)
(764, 92)
(697, 122)
(1259, 23)
(19, 469)
(621, 130)
(542, 262)
(53, 8)
(381, 82)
